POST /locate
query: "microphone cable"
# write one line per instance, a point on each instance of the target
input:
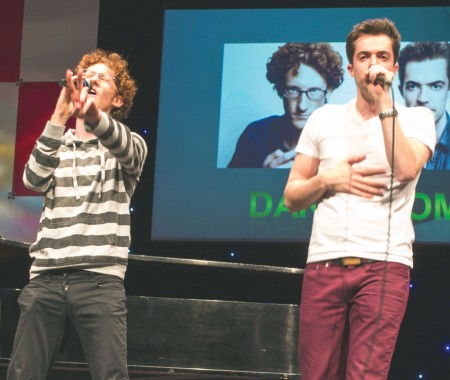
(388, 243)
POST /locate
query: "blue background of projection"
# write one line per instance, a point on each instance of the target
(196, 200)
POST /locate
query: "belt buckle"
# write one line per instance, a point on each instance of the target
(348, 261)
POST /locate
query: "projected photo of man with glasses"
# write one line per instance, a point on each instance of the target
(304, 76)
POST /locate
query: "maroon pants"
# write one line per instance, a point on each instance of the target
(350, 318)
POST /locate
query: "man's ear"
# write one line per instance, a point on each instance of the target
(396, 66)
(350, 69)
(118, 101)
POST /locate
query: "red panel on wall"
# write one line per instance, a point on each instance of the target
(36, 104)
(11, 20)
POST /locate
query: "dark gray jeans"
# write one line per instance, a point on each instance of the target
(96, 306)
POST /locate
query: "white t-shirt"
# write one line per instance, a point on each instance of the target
(349, 225)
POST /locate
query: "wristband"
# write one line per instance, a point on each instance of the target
(386, 114)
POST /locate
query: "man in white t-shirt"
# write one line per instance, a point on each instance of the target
(360, 162)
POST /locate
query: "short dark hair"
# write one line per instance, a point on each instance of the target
(373, 27)
(320, 56)
(421, 51)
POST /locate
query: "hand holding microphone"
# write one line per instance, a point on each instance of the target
(74, 101)
(64, 106)
(63, 83)
(375, 77)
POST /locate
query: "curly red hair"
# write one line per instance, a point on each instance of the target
(126, 85)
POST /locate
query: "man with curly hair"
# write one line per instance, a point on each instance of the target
(304, 75)
(360, 163)
(87, 176)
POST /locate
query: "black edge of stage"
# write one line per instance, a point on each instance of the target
(204, 279)
(79, 371)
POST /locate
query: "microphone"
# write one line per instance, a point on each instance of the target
(63, 83)
(381, 80)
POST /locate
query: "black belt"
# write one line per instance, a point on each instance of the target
(350, 261)
(63, 271)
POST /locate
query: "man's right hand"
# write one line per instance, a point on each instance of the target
(63, 109)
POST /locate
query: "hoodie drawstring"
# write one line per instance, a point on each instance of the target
(103, 175)
(74, 171)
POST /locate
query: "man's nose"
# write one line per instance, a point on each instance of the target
(423, 97)
(94, 79)
(373, 60)
(303, 102)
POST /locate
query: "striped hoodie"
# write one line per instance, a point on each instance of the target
(85, 220)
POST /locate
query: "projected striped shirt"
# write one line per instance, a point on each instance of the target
(88, 186)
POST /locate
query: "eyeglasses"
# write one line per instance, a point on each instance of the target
(105, 78)
(295, 93)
